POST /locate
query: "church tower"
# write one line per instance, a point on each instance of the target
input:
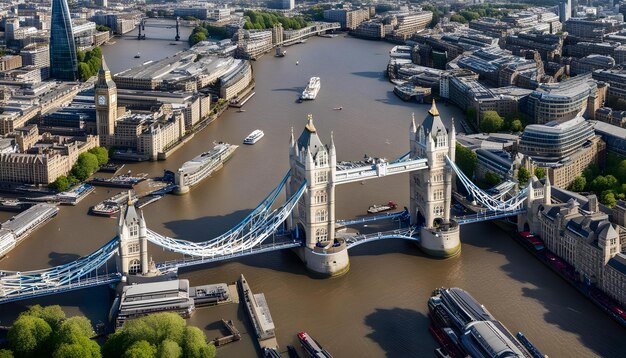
(133, 242)
(431, 189)
(106, 104)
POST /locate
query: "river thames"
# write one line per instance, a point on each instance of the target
(379, 308)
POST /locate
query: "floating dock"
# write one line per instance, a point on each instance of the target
(259, 314)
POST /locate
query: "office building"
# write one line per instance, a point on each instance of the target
(591, 63)
(63, 62)
(44, 162)
(10, 62)
(565, 10)
(563, 149)
(564, 100)
(616, 78)
(349, 19)
(614, 137)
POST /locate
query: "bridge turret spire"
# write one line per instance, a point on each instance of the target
(292, 139)
(433, 109)
(413, 125)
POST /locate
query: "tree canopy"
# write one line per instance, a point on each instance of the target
(89, 63)
(522, 176)
(491, 122)
(466, 160)
(260, 20)
(166, 334)
(46, 332)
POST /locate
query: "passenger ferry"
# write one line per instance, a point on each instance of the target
(312, 347)
(311, 90)
(203, 165)
(254, 137)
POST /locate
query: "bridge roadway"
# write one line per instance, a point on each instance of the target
(380, 168)
(35, 292)
(487, 215)
(172, 266)
(370, 218)
(409, 233)
(291, 37)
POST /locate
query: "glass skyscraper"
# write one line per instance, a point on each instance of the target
(63, 63)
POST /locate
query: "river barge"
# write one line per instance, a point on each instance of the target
(311, 90)
(259, 313)
(119, 181)
(312, 347)
(19, 227)
(463, 326)
(202, 166)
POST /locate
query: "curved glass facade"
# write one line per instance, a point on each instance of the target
(555, 141)
(63, 63)
(558, 101)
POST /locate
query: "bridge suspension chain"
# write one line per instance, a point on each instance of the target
(15, 282)
(485, 199)
(250, 232)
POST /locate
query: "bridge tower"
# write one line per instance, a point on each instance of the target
(133, 242)
(313, 217)
(431, 189)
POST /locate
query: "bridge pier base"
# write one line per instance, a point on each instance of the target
(326, 263)
(443, 241)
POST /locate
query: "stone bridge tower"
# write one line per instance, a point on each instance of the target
(133, 242)
(431, 189)
(314, 215)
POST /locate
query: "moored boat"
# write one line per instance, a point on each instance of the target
(311, 90)
(380, 208)
(312, 347)
(202, 166)
(254, 137)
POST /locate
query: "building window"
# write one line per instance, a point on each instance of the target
(320, 197)
(133, 248)
(322, 159)
(321, 215)
(134, 230)
(321, 177)
(134, 267)
(321, 234)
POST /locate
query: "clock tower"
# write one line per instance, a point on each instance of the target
(106, 104)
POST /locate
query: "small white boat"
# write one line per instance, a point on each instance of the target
(254, 137)
(338, 108)
(297, 62)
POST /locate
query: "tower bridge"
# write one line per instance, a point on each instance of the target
(305, 222)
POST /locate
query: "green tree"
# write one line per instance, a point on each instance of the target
(84, 71)
(60, 184)
(516, 126)
(163, 330)
(73, 328)
(608, 198)
(28, 337)
(88, 161)
(540, 173)
(195, 345)
(492, 179)
(53, 315)
(169, 349)
(5, 353)
(81, 347)
(578, 184)
(458, 18)
(491, 122)
(466, 160)
(197, 37)
(140, 349)
(620, 171)
(102, 154)
(522, 176)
